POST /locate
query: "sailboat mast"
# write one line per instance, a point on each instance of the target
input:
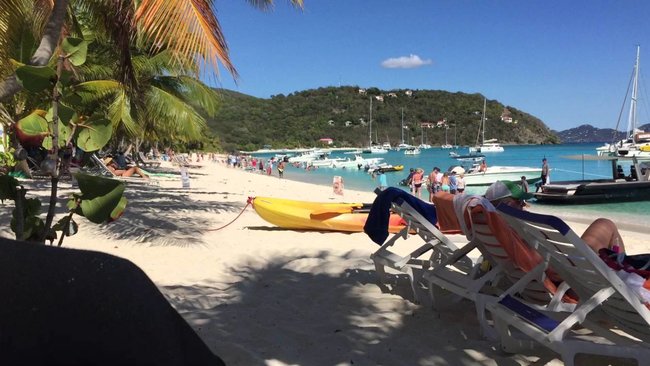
(370, 129)
(632, 118)
(402, 125)
(483, 122)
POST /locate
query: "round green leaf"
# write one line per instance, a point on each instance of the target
(35, 78)
(34, 124)
(76, 50)
(94, 134)
(100, 197)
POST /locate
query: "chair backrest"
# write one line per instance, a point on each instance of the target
(580, 267)
(501, 245)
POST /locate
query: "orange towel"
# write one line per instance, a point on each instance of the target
(447, 220)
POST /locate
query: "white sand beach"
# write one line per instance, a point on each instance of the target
(260, 295)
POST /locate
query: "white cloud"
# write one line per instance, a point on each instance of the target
(405, 62)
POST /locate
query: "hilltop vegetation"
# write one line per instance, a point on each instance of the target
(300, 119)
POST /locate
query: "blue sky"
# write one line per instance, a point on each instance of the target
(565, 62)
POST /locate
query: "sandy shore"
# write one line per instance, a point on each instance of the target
(259, 295)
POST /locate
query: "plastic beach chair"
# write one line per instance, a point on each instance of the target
(510, 266)
(613, 314)
(414, 263)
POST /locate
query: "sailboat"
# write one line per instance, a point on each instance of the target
(490, 145)
(374, 149)
(402, 145)
(446, 145)
(423, 145)
(637, 142)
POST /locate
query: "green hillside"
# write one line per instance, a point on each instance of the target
(300, 119)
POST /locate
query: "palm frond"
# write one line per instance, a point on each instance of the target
(165, 110)
(190, 90)
(97, 90)
(187, 27)
(119, 113)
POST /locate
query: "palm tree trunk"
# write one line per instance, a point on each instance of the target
(51, 34)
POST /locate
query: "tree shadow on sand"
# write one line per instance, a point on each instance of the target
(154, 216)
(309, 310)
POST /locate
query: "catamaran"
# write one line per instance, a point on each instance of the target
(637, 142)
(490, 145)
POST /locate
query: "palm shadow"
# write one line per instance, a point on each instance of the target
(306, 310)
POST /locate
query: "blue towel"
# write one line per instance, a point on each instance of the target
(376, 226)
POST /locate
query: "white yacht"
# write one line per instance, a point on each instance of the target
(475, 177)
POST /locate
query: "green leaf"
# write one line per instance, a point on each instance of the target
(67, 77)
(8, 186)
(67, 225)
(47, 143)
(101, 197)
(94, 133)
(65, 114)
(75, 49)
(35, 78)
(34, 124)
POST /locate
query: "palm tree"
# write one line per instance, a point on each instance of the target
(188, 28)
(169, 105)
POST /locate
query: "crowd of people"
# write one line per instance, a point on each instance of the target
(435, 181)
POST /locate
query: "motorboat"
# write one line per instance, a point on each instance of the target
(468, 157)
(619, 188)
(412, 151)
(357, 163)
(474, 176)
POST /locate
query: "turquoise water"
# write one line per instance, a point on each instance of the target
(562, 169)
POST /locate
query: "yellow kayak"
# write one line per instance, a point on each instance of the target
(305, 215)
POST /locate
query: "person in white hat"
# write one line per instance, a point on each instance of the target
(601, 233)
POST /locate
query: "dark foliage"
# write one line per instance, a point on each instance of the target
(300, 119)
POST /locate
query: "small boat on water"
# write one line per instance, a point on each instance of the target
(387, 168)
(325, 216)
(467, 157)
(620, 188)
(474, 176)
(412, 151)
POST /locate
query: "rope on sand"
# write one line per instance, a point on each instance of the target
(249, 201)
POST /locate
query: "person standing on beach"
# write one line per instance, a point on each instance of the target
(383, 182)
(545, 175)
(460, 183)
(546, 179)
(417, 179)
(281, 169)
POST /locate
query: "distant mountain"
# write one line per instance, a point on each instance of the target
(589, 133)
(300, 119)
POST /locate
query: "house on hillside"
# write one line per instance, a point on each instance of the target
(506, 116)
(392, 95)
(427, 125)
(326, 141)
(408, 93)
(362, 91)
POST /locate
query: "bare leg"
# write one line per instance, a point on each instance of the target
(603, 233)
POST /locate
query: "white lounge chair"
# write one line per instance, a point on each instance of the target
(604, 299)
(523, 275)
(436, 248)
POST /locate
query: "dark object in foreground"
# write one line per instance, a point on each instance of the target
(64, 306)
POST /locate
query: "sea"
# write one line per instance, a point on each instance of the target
(632, 214)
